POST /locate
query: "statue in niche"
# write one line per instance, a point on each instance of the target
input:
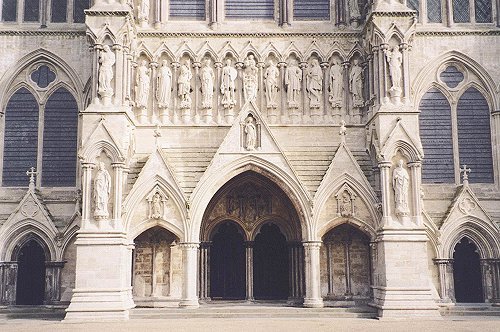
(184, 84)
(143, 12)
(271, 81)
(102, 189)
(250, 79)
(107, 60)
(394, 59)
(315, 83)
(293, 79)
(345, 206)
(250, 133)
(156, 206)
(142, 85)
(207, 78)
(227, 86)
(164, 85)
(354, 9)
(336, 84)
(356, 84)
(401, 185)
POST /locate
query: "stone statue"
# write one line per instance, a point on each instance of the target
(345, 207)
(336, 85)
(156, 206)
(143, 80)
(107, 61)
(315, 83)
(401, 185)
(227, 85)
(354, 9)
(356, 84)
(293, 79)
(251, 134)
(184, 84)
(207, 78)
(143, 12)
(271, 76)
(250, 79)
(164, 85)
(102, 189)
(394, 58)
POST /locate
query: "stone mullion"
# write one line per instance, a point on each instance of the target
(190, 276)
(249, 270)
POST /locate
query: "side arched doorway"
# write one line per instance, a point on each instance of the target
(467, 274)
(250, 243)
(157, 268)
(346, 266)
(30, 285)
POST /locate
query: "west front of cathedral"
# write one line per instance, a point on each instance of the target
(312, 153)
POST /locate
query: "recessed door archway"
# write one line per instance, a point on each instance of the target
(467, 274)
(30, 284)
(250, 243)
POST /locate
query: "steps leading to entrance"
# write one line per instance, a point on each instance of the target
(33, 312)
(251, 311)
(470, 309)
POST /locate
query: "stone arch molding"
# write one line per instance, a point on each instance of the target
(75, 84)
(363, 195)
(101, 140)
(483, 234)
(400, 139)
(211, 183)
(428, 76)
(141, 194)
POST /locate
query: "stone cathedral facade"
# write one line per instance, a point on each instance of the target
(320, 153)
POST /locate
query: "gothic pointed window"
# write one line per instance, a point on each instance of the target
(21, 138)
(461, 12)
(434, 11)
(78, 10)
(474, 136)
(59, 140)
(58, 11)
(9, 10)
(263, 9)
(311, 9)
(436, 136)
(483, 11)
(31, 11)
(187, 9)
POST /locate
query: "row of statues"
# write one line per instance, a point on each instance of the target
(293, 79)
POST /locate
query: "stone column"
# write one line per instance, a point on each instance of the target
(86, 193)
(383, 73)
(157, 14)
(295, 253)
(175, 66)
(119, 74)
(347, 267)
(305, 112)
(385, 184)
(346, 65)
(94, 50)
(405, 71)
(313, 283)
(376, 74)
(205, 271)
(326, 85)
(487, 280)
(341, 14)
(370, 79)
(329, 263)
(495, 265)
(8, 282)
(197, 93)
(282, 92)
(415, 168)
(53, 282)
(155, 116)
(249, 270)
(189, 275)
(218, 106)
(118, 170)
(444, 266)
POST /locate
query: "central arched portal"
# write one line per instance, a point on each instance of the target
(251, 245)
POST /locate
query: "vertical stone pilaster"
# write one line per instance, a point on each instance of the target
(282, 92)
(304, 65)
(329, 263)
(197, 93)
(444, 266)
(313, 297)
(405, 71)
(86, 193)
(218, 106)
(120, 74)
(385, 181)
(118, 170)
(415, 172)
(8, 282)
(190, 275)
(53, 282)
(204, 283)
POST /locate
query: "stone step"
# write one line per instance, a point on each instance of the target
(472, 309)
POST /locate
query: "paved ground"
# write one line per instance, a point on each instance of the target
(475, 324)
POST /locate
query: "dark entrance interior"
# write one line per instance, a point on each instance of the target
(270, 264)
(227, 263)
(30, 274)
(467, 273)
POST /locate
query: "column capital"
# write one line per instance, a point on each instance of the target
(249, 244)
(189, 245)
(416, 163)
(88, 165)
(443, 261)
(312, 244)
(384, 164)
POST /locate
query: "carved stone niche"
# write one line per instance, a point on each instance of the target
(157, 201)
(346, 201)
(250, 129)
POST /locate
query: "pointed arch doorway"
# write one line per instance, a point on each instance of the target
(251, 247)
(467, 274)
(30, 285)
